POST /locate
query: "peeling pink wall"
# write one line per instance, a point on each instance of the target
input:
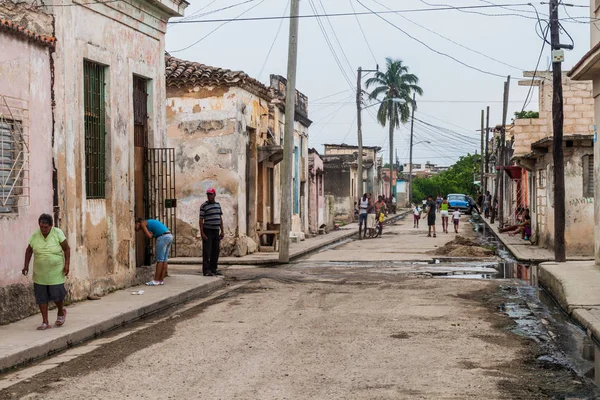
(25, 84)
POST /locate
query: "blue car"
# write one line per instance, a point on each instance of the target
(458, 202)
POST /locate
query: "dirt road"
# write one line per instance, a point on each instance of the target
(312, 331)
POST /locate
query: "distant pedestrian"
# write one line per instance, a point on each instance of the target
(416, 210)
(438, 202)
(455, 220)
(362, 215)
(371, 215)
(444, 214)
(472, 205)
(487, 203)
(431, 208)
(211, 229)
(51, 258)
(154, 229)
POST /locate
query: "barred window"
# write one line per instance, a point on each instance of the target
(12, 164)
(95, 132)
(588, 175)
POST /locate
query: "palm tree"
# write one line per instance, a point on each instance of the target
(397, 87)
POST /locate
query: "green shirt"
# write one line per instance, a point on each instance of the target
(48, 262)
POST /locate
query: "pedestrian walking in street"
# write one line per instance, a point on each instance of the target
(431, 208)
(362, 215)
(380, 209)
(444, 214)
(371, 215)
(51, 259)
(416, 210)
(154, 229)
(438, 202)
(211, 229)
(455, 220)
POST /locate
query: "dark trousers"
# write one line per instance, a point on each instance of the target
(210, 251)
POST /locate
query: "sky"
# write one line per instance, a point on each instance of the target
(480, 51)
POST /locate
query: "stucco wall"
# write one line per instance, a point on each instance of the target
(25, 85)
(208, 127)
(579, 228)
(578, 111)
(597, 174)
(316, 204)
(129, 41)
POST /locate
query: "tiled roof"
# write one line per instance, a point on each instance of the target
(19, 30)
(182, 73)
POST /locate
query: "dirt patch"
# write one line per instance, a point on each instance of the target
(462, 247)
(400, 335)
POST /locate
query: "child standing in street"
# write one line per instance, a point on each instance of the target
(416, 215)
(455, 219)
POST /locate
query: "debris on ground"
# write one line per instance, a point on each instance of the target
(463, 247)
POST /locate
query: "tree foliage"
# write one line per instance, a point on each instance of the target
(458, 179)
(526, 114)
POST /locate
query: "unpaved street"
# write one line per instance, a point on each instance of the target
(317, 331)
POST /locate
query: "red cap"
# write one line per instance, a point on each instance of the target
(211, 191)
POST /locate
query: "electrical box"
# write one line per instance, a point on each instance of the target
(558, 55)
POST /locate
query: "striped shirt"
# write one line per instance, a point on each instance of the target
(211, 213)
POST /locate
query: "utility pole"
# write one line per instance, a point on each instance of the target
(499, 189)
(410, 162)
(557, 143)
(482, 150)
(359, 160)
(288, 140)
(487, 141)
(359, 181)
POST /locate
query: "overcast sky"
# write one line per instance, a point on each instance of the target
(454, 94)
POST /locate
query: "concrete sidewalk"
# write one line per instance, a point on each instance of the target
(524, 251)
(576, 287)
(21, 342)
(297, 250)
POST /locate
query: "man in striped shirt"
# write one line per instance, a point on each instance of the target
(211, 228)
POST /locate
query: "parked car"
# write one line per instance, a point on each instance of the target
(458, 202)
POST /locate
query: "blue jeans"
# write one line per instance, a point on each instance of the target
(163, 247)
(362, 219)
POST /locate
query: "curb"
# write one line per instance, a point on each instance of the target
(89, 332)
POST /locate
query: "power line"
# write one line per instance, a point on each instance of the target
(197, 13)
(363, 32)
(287, 4)
(217, 28)
(526, 102)
(416, 10)
(335, 36)
(450, 40)
(431, 48)
(328, 96)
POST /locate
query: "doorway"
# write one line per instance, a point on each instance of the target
(140, 133)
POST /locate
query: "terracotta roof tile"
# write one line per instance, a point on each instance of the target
(182, 73)
(19, 30)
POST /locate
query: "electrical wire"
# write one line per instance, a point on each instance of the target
(197, 13)
(450, 40)
(363, 32)
(335, 36)
(328, 96)
(262, 68)
(331, 48)
(216, 29)
(431, 48)
(527, 99)
(416, 10)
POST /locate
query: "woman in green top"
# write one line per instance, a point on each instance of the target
(444, 213)
(47, 246)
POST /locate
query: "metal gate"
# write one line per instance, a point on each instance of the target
(160, 200)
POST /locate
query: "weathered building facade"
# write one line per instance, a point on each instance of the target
(223, 128)
(299, 185)
(340, 165)
(588, 69)
(530, 178)
(107, 97)
(317, 205)
(26, 189)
